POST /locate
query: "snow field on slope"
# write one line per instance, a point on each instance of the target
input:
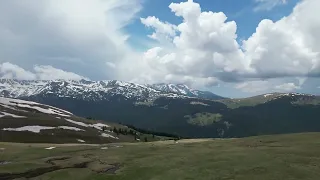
(96, 126)
(4, 114)
(8, 102)
(37, 129)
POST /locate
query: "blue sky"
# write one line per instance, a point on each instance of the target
(263, 46)
(241, 11)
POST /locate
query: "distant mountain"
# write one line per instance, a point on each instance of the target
(184, 90)
(297, 98)
(174, 109)
(96, 90)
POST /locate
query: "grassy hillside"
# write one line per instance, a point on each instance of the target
(29, 122)
(292, 156)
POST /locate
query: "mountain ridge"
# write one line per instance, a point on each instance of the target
(97, 90)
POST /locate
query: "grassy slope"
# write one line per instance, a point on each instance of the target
(36, 118)
(290, 157)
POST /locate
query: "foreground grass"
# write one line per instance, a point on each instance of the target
(290, 157)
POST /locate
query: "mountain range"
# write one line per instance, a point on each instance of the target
(174, 109)
(97, 90)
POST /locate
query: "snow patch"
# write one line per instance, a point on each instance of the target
(50, 148)
(70, 128)
(34, 105)
(77, 123)
(45, 111)
(96, 126)
(80, 140)
(99, 126)
(5, 162)
(12, 115)
(35, 129)
(108, 136)
(9, 107)
(198, 103)
(266, 95)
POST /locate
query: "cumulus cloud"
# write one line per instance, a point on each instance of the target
(201, 47)
(163, 30)
(12, 71)
(288, 47)
(204, 45)
(267, 5)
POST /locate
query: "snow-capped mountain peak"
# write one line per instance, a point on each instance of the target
(174, 88)
(184, 90)
(96, 90)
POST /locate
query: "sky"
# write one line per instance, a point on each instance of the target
(230, 47)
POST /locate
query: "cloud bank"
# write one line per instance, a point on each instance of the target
(76, 35)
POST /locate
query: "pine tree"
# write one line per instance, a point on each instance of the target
(115, 130)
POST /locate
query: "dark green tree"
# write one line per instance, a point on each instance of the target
(115, 130)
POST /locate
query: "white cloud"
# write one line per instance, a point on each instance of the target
(288, 87)
(111, 64)
(205, 46)
(253, 86)
(288, 47)
(12, 71)
(50, 73)
(77, 35)
(267, 5)
(271, 85)
(163, 30)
